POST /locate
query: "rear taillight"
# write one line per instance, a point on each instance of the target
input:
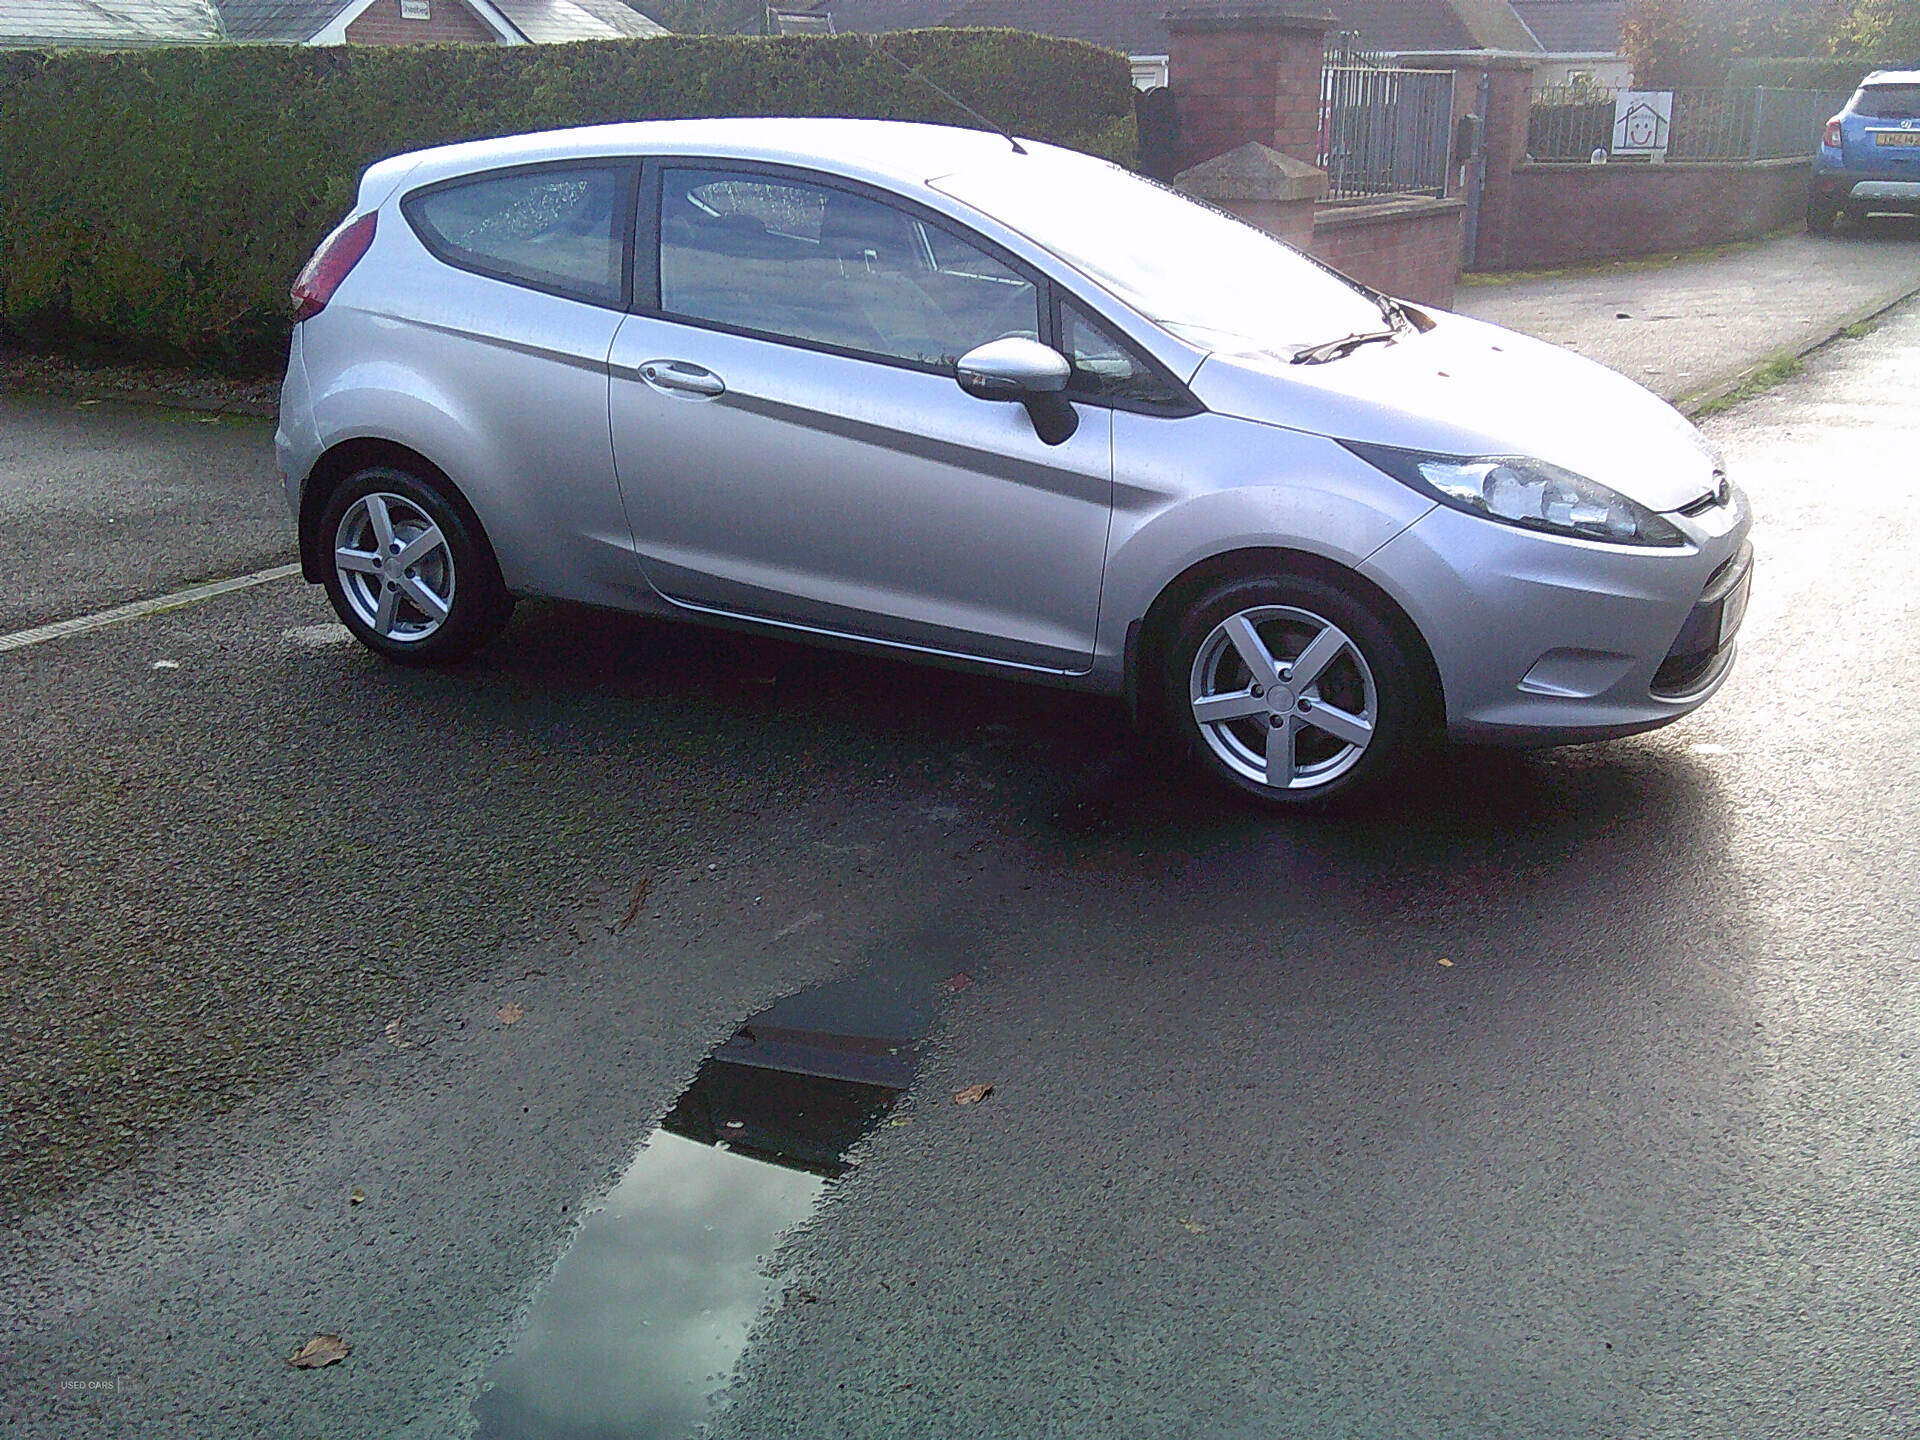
(1831, 139)
(337, 255)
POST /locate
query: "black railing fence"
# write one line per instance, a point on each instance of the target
(1572, 122)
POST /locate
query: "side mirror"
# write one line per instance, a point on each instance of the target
(1012, 369)
(1027, 371)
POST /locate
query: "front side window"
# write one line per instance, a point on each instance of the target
(555, 229)
(798, 261)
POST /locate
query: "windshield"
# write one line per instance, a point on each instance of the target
(1208, 278)
(1888, 102)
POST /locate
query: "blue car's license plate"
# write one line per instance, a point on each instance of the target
(1897, 137)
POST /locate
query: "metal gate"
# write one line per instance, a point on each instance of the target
(1384, 131)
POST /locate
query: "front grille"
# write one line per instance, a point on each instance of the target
(1680, 675)
(1721, 494)
(1698, 649)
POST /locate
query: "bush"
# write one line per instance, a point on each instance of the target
(161, 202)
(1815, 73)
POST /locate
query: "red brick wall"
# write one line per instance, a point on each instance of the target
(1569, 214)
(1408, 248)
(451, 24)
(1253, 80)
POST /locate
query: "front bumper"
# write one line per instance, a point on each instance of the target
(1541, 640)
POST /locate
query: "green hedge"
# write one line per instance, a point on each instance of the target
(161, 202)
(1820, 72)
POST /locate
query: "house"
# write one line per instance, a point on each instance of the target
(1136, 28)
(442, 22)
(1580, 40)
(106, 24)
(1570, 41)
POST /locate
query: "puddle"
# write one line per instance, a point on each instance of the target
(647, 1313)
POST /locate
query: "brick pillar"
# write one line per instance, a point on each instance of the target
(1246, 71)
(1509, 111)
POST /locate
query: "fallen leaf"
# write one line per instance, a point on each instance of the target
(973, 1094)
(509, 1014)
(320, 1350)
(633, 906)
(901, 1120)
(358, 1197)
(1446, 962)
(175, 665)
(958, 981)
(1193, 1227)
(393, 1036)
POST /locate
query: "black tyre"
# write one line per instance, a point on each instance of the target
(1292, 690)
(407, 573)
(1822, 215)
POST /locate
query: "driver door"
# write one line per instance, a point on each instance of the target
(791, 443)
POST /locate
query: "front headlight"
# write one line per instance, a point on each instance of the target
(1529, 493)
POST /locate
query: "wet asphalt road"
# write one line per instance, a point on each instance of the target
(103, 503)
(1639, 1161)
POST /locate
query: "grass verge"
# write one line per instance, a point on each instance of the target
(1775, 370)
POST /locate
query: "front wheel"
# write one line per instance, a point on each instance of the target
(406, 572)
(1292, 690)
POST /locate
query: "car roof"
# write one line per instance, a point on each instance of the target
(883, 151)
(1893, 77)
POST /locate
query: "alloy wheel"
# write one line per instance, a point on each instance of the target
(394, 566)
(1283, 697)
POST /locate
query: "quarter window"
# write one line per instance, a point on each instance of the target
(828, 267)
(1105, 367)
(555, 229)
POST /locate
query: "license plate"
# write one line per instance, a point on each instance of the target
(1734, 608)
(1897, 137)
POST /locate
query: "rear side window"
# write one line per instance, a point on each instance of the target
(1888, 102)
(787, 259)
(557, 230)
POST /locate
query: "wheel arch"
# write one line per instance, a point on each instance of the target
(347, 458)
(1147, 637)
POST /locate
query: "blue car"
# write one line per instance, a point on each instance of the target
(1869, 157)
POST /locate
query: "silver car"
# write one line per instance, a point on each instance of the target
(939, 394)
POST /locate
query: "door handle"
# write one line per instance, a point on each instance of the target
(682, 377)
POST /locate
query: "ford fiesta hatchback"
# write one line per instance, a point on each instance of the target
(925, 392)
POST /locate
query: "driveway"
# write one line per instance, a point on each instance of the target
(1686, 328)
(1560, 1094)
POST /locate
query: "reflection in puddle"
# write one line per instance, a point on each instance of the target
(648, 1311)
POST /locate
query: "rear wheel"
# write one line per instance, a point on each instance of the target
(406, 572)
(1292, 690)
(1821, 216)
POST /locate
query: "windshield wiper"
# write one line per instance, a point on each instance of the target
(1333, 349)
(1397, 314)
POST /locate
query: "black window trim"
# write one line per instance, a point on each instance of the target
(1048, 294)
(628, 168)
